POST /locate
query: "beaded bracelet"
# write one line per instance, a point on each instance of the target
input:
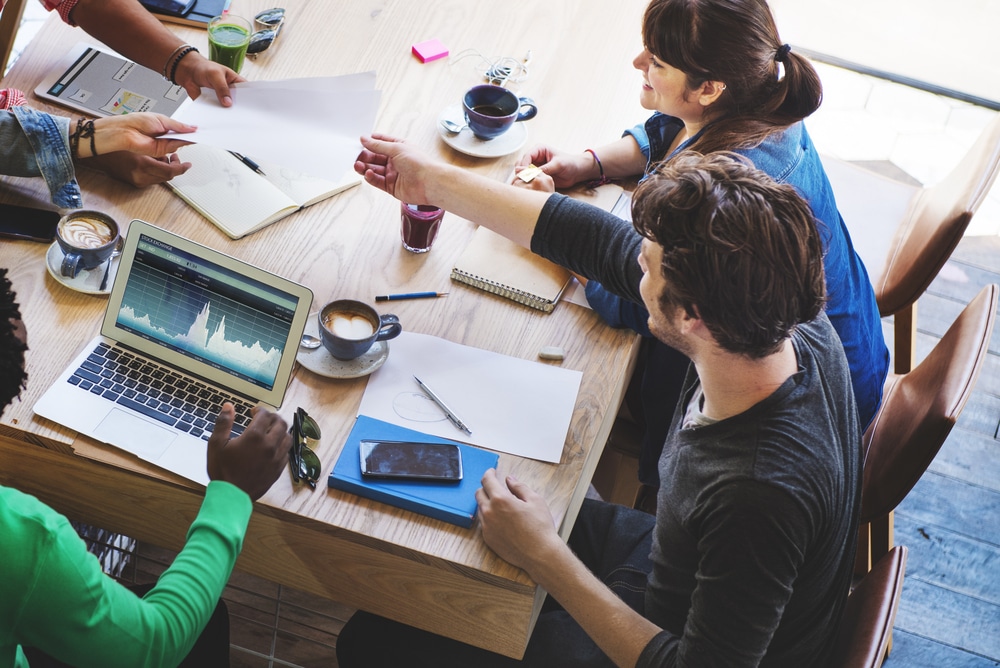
(85, 129)
(177, 61)
(170, 58)
(603, 179)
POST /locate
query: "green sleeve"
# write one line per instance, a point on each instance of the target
(76, 613)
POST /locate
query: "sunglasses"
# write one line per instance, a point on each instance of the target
(303, 460)
(268, 24)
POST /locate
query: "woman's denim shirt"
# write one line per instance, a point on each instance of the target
(788, 157)
(35, 144)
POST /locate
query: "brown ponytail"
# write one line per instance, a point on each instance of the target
(768, 86)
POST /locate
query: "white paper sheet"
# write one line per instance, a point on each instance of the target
(575, 293)
(511, 405)
(312, 125)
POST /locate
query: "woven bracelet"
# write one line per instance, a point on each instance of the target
(603, 179)
(85, 129)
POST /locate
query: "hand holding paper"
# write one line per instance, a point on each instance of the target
(311, 125)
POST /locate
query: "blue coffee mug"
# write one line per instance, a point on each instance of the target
(87, 240)
(492, 110)
(348, 347)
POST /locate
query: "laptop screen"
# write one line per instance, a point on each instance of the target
(206, 313)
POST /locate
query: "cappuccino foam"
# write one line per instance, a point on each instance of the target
(349, 326)
(86, 232)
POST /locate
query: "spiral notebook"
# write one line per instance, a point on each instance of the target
(494, 263)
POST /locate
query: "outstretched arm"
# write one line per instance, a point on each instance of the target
(128, 28)
(137, 133)
(128, 148)
(409, 175)
(69, 607)
(620, 159)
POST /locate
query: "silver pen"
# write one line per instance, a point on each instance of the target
(447, 411)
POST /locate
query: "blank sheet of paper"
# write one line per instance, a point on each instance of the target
(511, 405)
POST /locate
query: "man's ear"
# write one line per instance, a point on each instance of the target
(691, 319)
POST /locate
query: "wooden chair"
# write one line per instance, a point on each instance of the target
(10, 21)
(917, 413)
(866, 623)
(904, 233)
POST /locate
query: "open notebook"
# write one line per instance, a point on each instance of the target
(239, 200)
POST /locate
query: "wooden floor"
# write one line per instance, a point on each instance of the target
(949, 613)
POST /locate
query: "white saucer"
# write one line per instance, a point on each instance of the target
(321, 362)
(87, 281)
(467, 143)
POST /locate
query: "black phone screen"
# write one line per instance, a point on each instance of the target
(405, 459)
(25, 222)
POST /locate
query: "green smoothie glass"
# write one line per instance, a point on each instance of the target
(228, 37)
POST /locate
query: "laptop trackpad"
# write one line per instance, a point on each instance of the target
(140, 437)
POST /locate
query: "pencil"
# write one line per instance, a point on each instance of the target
(410, 295)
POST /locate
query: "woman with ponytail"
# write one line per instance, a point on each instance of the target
(719, 78)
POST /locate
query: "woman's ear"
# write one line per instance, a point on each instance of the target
(709, 92)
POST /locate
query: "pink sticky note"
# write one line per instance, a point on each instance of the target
(430, 50)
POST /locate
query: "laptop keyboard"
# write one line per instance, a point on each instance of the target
(156, 391)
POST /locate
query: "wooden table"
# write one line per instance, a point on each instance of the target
(423, 572)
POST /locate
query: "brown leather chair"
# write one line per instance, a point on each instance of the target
(866, 623)
(905, 234)
(917, 413)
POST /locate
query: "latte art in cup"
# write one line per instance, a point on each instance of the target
(87, 240)
(348, 325)
(86, 232)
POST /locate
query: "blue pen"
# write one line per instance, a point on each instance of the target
(410, 295)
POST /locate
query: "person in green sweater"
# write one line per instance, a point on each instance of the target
(54, 595)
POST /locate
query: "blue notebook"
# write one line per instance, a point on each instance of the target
(450, 502)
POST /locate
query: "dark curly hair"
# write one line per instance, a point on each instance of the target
(12, 374)
(740, 251)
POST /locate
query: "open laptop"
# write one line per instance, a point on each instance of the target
(186, 328)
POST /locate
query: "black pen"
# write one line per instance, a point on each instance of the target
(248, 162)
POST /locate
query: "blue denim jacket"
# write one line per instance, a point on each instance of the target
(789, 157)
(34, 143)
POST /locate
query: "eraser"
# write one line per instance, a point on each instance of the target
(430, 50)
(552, 353)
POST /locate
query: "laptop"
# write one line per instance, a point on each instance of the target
(186, 328)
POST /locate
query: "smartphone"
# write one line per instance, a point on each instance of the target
(169, 7)
(411, 460)
(25, 222)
